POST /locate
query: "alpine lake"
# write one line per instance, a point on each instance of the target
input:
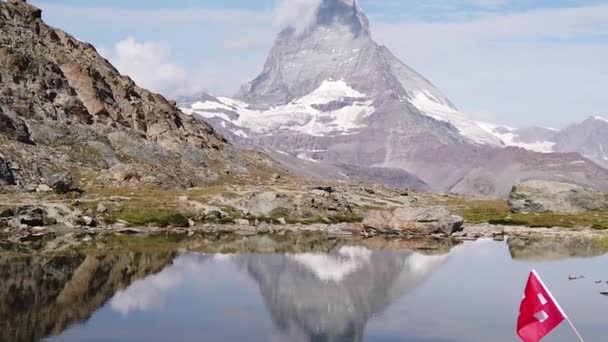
(304, 288)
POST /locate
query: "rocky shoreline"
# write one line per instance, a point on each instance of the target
(57, 239)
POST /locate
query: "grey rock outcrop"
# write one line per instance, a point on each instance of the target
(538, 196)
(423, 221)
(314, 203)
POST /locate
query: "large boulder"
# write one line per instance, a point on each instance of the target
(540, 196)
(413, 221)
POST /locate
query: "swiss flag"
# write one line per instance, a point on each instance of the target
(539, 313)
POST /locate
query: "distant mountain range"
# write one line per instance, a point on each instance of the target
(589, 138)
(332, 103)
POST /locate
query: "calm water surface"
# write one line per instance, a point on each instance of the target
(471, 293)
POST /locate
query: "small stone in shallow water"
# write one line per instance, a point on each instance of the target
(44, 188)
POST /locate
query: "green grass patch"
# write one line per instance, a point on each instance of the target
(279, 212)
(154, 217)
(158, 242)
(318, 219)
(602, 243)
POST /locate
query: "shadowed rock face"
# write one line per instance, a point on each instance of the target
(331, 297)
(6, 175)
(42, 296)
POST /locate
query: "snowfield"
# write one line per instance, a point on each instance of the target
(431, 106)
(302, 115)
(509, 139)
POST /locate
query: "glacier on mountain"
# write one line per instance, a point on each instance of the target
(333, 108)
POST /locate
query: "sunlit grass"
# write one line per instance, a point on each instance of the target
(497, 212)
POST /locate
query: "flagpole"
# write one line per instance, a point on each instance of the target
(558, 306)
(574, 328)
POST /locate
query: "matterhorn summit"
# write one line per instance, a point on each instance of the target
(334, 103)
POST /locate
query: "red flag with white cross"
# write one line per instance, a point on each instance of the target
(539, 313)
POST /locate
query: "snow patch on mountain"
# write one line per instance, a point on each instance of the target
(335, 268)
(509, 137)
(599, 118)
(333, 108)
(429, 105)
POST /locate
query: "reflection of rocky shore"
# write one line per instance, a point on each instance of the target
(331, 297)
(41, 296)
(551, 249)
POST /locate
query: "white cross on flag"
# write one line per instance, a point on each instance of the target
(539, 313)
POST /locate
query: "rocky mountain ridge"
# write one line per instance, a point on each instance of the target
(330, 95)
(65, 109)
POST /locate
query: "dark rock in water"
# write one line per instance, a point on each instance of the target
(538, 196)
(32, 217)
(89, 221)
(327, 189)
(6, 213)
(6, 175)
(604, 293)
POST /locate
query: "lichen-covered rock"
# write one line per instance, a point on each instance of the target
(539, 196)
(413, 221)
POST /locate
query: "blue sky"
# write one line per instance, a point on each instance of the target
(518, 62)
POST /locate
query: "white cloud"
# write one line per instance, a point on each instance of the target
(147, 294)
(299, 14)
(541, 67)
(148, 64)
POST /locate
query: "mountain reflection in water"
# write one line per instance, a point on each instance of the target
(352, 293)
(331, 297)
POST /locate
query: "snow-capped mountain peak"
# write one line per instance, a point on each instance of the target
(330, 101)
